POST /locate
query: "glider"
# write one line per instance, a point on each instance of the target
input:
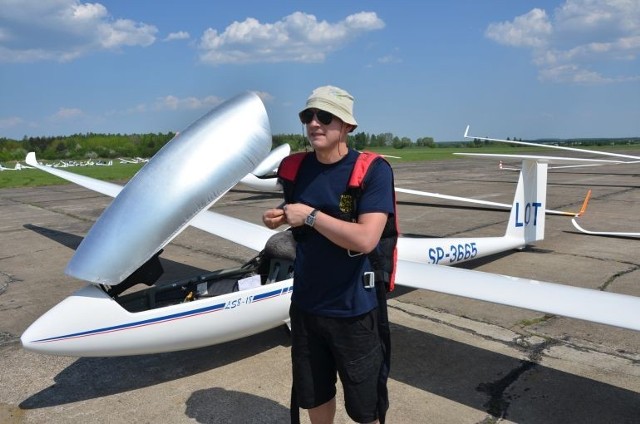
(125, 160)
(599, 233)
(263, 177)
(176, 188)
(636, 159)
(2, 168)
(17, 167)
(580, 163)
(604, 233)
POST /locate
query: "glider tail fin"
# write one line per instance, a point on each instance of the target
(527, 218)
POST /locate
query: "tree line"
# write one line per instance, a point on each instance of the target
(359, 141)
(110, 146)
(85, 146)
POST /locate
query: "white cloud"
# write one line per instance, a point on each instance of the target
(125, 32)
(594, 16)
(583, 41)
(89, 12)
(10, 122)
(176, 103)
(389, 59)
(180, 35)
(265, 96)
(299, 37)
(62, 30)
(529, 30)
(572, 73)
(66, 113)
(139, 108)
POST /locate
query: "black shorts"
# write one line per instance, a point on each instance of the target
(322, 346)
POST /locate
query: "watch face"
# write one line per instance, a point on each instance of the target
(311, 218)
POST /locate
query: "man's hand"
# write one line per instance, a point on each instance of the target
(296, 213)
(273, 218)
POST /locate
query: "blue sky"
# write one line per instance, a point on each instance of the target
(526, 69)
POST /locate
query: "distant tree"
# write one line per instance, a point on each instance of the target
(360, 141)
(11, 150)
(477, 143)
(402, 143)
(385, 139)
(295, 141)
(425, 142)
(38, 144)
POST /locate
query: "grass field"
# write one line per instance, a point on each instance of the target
(35, 177)
(123, 172)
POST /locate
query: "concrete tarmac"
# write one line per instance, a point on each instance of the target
(454, 360)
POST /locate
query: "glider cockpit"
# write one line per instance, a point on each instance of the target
(271, 265)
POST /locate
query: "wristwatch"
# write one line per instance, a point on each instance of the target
(311, 218)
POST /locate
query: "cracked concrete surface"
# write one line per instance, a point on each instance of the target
(455, 360)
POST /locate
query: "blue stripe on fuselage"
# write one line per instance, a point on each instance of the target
(152, 321)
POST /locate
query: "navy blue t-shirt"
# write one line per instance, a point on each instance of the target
(327, 278)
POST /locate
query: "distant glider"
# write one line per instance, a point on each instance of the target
(18, 167)
(2, 168)
(636, 159)
(600, 233)
(576, 163)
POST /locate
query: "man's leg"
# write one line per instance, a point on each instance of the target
(324, 413)
(314, 371)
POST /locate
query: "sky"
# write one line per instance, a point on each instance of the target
(527, 69)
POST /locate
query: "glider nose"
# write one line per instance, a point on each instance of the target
(29, 337)
(40, 334)
(60, 331)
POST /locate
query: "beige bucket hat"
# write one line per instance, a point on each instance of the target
(334, 100)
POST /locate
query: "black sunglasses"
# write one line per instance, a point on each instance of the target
(306, 116)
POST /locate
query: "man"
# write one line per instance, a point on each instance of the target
(334, 319)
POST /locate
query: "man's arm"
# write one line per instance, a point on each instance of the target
(361, 236)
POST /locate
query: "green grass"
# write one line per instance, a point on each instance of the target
(35, 177)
